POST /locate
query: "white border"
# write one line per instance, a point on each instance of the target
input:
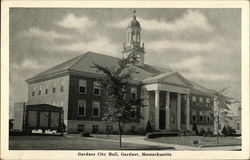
(244, 5)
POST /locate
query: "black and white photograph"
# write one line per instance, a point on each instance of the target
(115, 79)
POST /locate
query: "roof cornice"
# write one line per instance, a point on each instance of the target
(47, 77)
(72, 72)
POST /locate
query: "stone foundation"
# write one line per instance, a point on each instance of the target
(128, 128)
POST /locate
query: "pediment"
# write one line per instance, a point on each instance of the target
(170, 78)
(175, 78)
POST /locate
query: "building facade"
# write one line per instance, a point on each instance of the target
(232, 120)
(172, 102)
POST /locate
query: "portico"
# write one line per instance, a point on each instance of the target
(168, 92)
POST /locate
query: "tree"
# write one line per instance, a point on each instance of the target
(114, 86)
(221, 113)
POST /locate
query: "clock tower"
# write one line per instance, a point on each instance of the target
(132, 46)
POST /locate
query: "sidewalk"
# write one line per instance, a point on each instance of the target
(141, 140)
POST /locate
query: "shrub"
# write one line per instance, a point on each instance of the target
(161, 134)
(85, 134)
(195, 129)
(228, 131)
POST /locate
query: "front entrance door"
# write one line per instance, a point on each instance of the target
(173, 111)
(162, 121)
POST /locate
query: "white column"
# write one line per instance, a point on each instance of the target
(187, 112)
(157, 107)
(167, 110)
(178, 111)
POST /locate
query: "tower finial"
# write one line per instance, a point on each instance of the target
(134, 11)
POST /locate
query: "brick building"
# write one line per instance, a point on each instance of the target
(171, 101)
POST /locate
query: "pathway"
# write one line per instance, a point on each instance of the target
(141, 140)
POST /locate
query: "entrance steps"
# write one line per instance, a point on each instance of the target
(163, 133)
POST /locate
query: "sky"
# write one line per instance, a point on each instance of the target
(204, 45)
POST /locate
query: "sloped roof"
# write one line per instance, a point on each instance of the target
(84, 63)
(61, 67)
(198, 88)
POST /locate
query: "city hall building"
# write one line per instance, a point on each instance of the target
(171, 102)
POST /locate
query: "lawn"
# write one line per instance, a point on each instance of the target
(202, 141)
(71, 142)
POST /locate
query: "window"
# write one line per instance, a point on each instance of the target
(204, 118)
(82, 86)
(80, 128)
(47, 90)
(208, 102)
(95, 128)
(194, 116)
(133, 112)
(97, 88)
(62, 86)
(40, 90)
(201, 101)
(96, 109)
(208, 118)
(133, 93)
(193, 100)
(81, 107)
(54, 87)
(201, 116)
(33, 92)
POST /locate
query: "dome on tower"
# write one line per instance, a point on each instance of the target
(134, 22)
